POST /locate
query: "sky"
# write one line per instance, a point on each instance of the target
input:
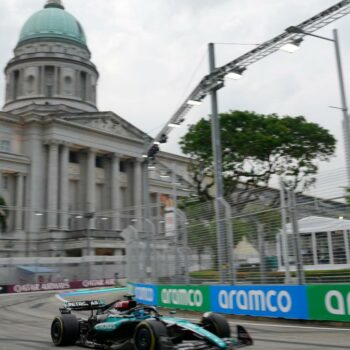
(152, 53)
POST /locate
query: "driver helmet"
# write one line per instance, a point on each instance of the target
(123, 305)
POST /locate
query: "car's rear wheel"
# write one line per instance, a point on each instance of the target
(65, 330)
(216, 324)
(151, 335)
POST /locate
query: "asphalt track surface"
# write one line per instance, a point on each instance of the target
(25, 321)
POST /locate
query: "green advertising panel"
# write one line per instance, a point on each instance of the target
(195, 298)
(329, 302)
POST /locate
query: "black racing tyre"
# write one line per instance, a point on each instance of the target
(216, 324)
(65, 330)
(151, 335)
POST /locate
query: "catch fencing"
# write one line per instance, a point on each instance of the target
(255, 236)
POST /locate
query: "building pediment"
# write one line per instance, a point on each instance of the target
(107, 122)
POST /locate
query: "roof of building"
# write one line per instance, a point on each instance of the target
(53, 22)
(319, 224)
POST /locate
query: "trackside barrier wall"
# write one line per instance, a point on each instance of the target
(38, 287)
(310, 302)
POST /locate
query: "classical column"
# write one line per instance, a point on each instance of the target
(64, 187)
(42, 81)
(115, 191)
(52, 186)
(19, 202)
(158, 215)
(91, 184)
(138, 192)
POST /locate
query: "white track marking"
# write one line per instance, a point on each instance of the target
(281, 326)
(60, 298)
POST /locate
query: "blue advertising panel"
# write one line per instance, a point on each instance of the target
(145, 293)
(267, 301)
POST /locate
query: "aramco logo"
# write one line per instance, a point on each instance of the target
(186, 297)
(255, 300)
(144, 294)
(336, 303)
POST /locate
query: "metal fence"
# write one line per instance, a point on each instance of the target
(255, 236)
(268, 236)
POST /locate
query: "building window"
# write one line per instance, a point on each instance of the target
(16, 83)
(73, 157)
(68, 85)
(74, 253)
(99, 162)
(49, 80)
(30, 84)
(5, 146)
(83, 87)
(122, 166)
(322, 248)
(104, 251)
(338, 246)
(48, 92)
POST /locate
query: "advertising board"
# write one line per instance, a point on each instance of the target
(194, 298)
(37, 287)
(267, 301)
(144, 293)
(329, 302)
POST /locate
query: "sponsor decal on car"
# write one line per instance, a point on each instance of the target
(106, 326)
(270, 301)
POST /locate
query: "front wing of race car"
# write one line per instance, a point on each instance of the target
(243, 338)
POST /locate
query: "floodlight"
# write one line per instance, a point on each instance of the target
(236, 73)
(233, 75)
(292, 46)
(194, 102)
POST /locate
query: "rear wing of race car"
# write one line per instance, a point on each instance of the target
(243, 337)
(83, 305)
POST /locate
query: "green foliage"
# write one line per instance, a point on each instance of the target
(256, 147)
(347, 196)
(3, 215)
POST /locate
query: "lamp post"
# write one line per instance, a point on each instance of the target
(344, 108)
(89, 216)
(223, 251)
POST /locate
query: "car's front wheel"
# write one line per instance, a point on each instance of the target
(151, 335)
(65, 330)
(216, 324)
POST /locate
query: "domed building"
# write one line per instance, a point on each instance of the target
(51, 65)
(61, 158)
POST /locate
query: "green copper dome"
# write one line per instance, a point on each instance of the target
(53, 22)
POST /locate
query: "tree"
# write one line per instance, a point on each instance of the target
(255, 147)
(3, 215)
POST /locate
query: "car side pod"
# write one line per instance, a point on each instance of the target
(243, 337)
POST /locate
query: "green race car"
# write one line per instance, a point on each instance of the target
(125, 324)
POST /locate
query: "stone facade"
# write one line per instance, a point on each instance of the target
(60, 158)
